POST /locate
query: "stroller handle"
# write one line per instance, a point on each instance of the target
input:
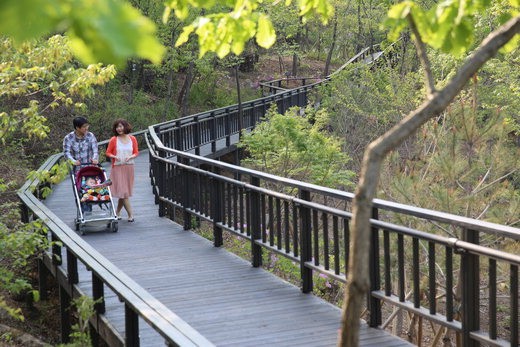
(89, 164)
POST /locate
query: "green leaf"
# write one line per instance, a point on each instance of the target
(28, 19)
(185, 35)
(110, 31)
(266, 35)
(400, 10)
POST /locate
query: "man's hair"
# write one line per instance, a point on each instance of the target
(78, 122)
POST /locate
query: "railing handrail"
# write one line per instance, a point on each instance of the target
(453, 242)
(466, 222)
(158, 316)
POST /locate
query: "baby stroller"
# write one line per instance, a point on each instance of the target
(93, 198)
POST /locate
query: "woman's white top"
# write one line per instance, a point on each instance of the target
(124, 150)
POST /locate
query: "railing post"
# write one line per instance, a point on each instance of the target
(470, 295)
(65, 324)
(98, 294)
(56, 251)
(131, 327)
(217, 204)
(72, 268)
(24, 213)
(186, 199)
(227, 127)
(213, 130)
(306, 243)
(42, 279)
(374, 304)
(254, 223)
(178, 136)
(196, 135)
(160, 182)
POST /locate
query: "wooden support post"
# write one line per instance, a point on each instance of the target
(65, 323)
(72, 268)
(98, 293)
(131, 327)
(217, 204)
(213, 130)
(374, 304)
(254, 224)
(196, 135)
(56, 251)
(187, 191)
(470, 291)
(94, 336)
(42, 279)
(306, 243)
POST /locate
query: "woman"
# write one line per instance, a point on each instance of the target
(122, 148)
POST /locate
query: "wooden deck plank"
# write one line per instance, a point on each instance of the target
(216, 292)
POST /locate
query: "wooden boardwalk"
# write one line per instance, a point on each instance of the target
(219, 294)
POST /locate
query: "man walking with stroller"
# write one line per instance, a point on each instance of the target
(80, 146)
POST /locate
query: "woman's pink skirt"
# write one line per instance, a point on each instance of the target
(122, 177)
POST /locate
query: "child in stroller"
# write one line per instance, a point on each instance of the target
(93, 190)
(92, 187)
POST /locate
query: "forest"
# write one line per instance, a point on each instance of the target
(149, 63)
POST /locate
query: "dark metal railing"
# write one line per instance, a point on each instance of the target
(310, 225)
(62, 260)
(366, 55)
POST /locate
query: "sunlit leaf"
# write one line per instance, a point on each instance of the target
(266, 35)
(112, 31)
(28, 19)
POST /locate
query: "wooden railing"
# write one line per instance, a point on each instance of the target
(310, 225)
(138, 303)
(367, 56)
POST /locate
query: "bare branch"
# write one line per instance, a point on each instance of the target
(476, 191)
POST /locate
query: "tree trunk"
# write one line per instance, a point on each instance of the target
(280, 63)
(358, 275)
(169, 94)
(329, 56)
(359, 41)
(182, 100)
(240, 123)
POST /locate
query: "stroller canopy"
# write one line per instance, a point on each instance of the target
(89, 171)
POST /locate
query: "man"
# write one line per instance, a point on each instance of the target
(80, 146)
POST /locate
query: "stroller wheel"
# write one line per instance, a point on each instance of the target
(76, 225)
(114, 227)
(82, 229)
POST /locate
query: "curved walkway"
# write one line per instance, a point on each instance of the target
(219, 294)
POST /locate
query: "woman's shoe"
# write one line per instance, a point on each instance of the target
(118, 217)
(131, 220)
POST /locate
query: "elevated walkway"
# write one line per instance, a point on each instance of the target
(217, 293)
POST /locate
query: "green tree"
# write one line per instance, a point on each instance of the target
(38, 77)
(111, 31)
(449, 27)
(466, 159)
(364, 103)
(290, 146)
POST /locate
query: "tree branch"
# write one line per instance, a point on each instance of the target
(423, 58)
(358, 272)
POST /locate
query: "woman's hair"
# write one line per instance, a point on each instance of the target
(126, 125)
